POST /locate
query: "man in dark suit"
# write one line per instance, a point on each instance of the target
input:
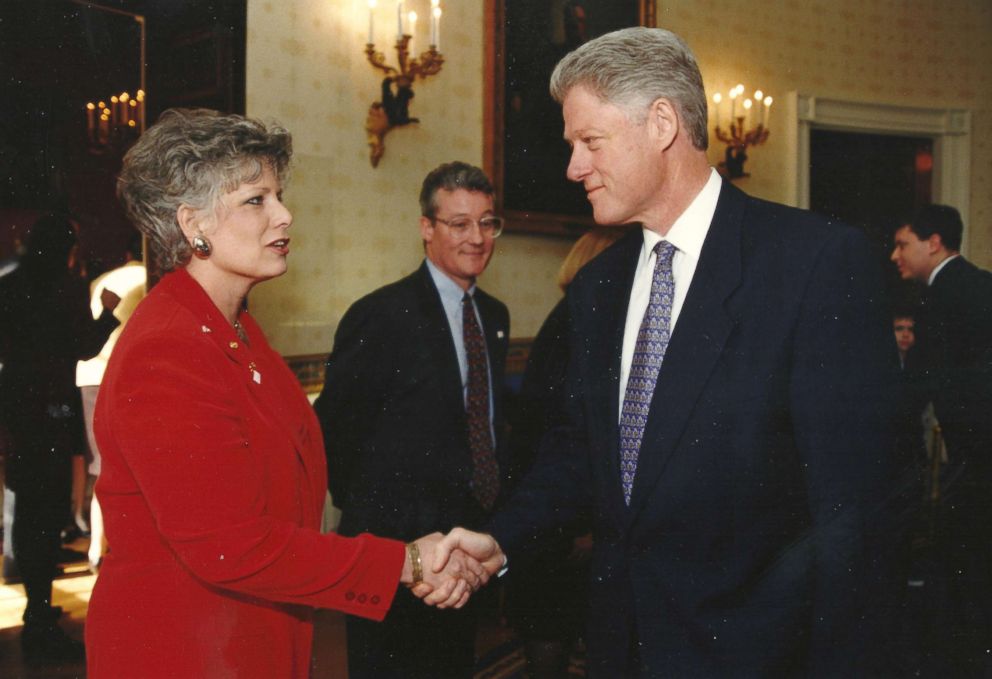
(956, 339)
(412, 417)
(731, 399)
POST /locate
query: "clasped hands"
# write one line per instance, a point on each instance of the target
(453, 566)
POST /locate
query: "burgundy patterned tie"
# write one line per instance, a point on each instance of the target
(485, 472)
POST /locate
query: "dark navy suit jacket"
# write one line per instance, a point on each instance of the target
(393, 412)
(751, 545)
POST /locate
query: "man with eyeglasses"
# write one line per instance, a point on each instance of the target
(412, 417)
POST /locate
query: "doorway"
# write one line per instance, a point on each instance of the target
(875, 182)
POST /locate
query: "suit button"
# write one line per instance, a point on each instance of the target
(349, 596)
(362, 598)
(375, 599)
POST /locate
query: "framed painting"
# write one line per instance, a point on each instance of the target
(524, 152)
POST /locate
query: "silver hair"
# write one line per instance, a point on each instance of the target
(192, 157)
(451, 177)
(633, 67)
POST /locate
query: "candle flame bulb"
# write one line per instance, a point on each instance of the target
(125, 96)
(437, 12)
(371, 4)
(717, 98)
(113, 99)
(90, 106)
(435, 3)
(747, 103)
(140, 95)
(768, 101)
(758, 95)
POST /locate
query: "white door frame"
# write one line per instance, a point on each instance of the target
(950, 130)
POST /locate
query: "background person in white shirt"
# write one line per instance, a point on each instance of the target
(128, 282)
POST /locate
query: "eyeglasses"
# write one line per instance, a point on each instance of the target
(488, 226)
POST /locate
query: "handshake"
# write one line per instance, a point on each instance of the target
(444, 570)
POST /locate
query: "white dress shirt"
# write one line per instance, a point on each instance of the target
(687, 235)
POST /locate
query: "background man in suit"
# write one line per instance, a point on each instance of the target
(730, 396)
(956, 338)
(412, 417)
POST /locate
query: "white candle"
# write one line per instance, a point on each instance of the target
(717, 98)
(765, 111)
(747, 113)
(371, 39)
(91, 121)
(437, 28)
(399, 20)
(412, 16)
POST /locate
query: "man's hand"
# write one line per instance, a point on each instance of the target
(448, 585)
(480, 546)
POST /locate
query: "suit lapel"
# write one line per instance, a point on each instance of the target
(440, 344)
(601, 339)
(700, 334)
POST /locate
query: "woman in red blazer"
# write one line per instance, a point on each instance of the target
(214, 477)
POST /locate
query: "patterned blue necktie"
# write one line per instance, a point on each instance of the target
(649, 352)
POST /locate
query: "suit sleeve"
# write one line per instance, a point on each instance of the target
(184, 441)
(559, 485)
(351, 395)
(842, 393)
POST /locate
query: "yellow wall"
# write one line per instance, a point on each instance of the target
(356, 227)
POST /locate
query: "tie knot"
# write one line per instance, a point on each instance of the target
(466, 299)
(664, 250)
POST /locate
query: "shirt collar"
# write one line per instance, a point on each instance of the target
(689, 230)
(937, 269)
(446, 287)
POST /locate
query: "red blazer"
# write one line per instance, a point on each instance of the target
(212, 488)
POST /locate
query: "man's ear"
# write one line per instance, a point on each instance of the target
(934, 243)
(663, 121)
(426, 229)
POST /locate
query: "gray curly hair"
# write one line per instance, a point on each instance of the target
(633, 67)
(192, 157)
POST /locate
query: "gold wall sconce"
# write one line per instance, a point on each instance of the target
(393, 110)
(748, 127)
